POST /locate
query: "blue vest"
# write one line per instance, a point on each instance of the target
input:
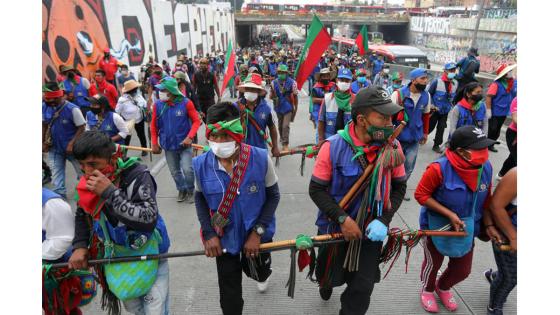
(413, 131)
(173, 124)
(80, 92)
(261, 115)
(46, 196)
(63, 128)
(248, 204)
(377, 66)
(284, 106)
(355, 86)
(441, 98)
(331, 112)
(466, 118)
(501, 101)
(456, 196)
(345, 172)
(107, 126)
(319, 92)
(272, 66)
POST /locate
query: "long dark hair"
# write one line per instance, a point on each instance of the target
(468, 88)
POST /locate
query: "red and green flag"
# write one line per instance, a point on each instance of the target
(230, 63)
(362, 41)
(318, 40)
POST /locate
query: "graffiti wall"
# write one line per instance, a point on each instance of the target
(448, 39)
(75, 32)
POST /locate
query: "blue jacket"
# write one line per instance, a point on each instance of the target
(284, 106)
(456, 196)
(46, 196)
(441, 98)
(356, 86)
(248, 203)
(173, 124)
(413, 132)
(80, 92)
(377, 66)
(345, 172)
(107, 126)
(63, 128)
(501, 102)
(262, 116)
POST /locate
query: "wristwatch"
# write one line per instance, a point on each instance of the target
(341, 218)
(259, 229)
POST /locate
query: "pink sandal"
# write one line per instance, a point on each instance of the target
(447, 299)
(428, 300)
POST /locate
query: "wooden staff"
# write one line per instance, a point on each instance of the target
(129, 147)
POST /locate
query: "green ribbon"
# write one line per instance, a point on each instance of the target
(304, 242)
(345, 134)
(232, 125)
(343, 100)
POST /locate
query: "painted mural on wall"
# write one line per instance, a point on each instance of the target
(75, 32)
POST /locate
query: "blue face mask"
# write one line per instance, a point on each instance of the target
(397, 86)
(362, 79)
(451, 76)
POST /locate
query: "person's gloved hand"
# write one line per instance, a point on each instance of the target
(376, 231)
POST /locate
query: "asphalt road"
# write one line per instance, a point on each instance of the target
(193, 281)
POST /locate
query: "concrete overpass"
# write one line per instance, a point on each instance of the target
(393, 26)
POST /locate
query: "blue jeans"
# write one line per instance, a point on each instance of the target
(410, 150)
(180, 166)
(156, 301)
(57, 163)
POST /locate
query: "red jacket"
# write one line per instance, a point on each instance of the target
(110, 67)
(107, 89)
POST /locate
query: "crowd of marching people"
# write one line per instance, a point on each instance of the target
(362, 113)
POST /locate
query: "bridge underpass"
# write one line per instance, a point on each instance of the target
(393, 27)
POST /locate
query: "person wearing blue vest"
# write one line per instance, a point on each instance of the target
(468, 67)
(102, 118)
(236, 196)
(498, 100)
(340, 162)
(324, 84)
(335, 111)
(63, 122)
(109, 185)
(284, 95)
(256, 115)
(416, 103)
(455, 193)
(175, 122)
(504, 215)
(377, 66)
(470, 110)
(361, 81)
(76, 88)
(442, 91)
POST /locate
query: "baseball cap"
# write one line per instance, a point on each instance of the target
(377, 98)
(344, 73)
(417, 73)
(470, 137)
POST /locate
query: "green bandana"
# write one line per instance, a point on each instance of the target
(345, 134)
(343, 100)
(232, 128)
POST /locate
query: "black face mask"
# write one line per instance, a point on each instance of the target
(51, 104)
(420, 87)
(95, 110)
(158, 72)
(476, 97)
(325, 81)
(71, 75)
(133, 91)
(106, 55)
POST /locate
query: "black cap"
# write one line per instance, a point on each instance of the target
(99, 99)
(378, 99)
(469, 137)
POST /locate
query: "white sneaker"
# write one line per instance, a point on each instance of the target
(262, 286)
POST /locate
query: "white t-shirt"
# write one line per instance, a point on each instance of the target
(58, 223)
(128, 110)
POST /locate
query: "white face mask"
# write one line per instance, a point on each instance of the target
(163, 96)
(251, 96)
(223, 149)
(343, 86)
(385, 71)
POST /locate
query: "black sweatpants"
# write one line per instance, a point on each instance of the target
(229, 279)
(441, 121)
(139, 127)
(495, 126)
(356, 297)
(511, 161)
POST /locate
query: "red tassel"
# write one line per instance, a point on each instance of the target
(303, 259)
